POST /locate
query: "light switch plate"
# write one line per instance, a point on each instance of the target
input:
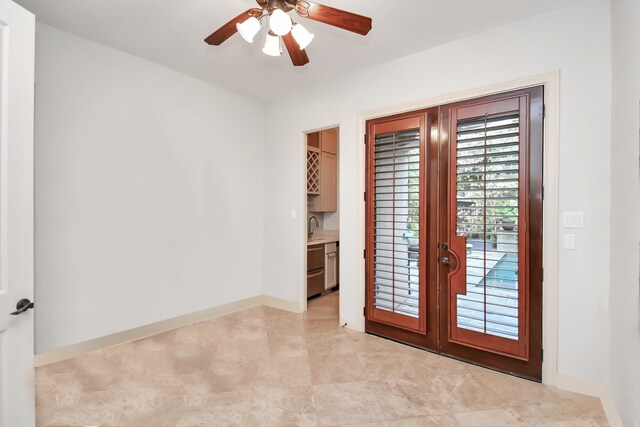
(574, 220)
(570, 241)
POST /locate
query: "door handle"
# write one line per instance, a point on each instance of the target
(22, 306)
(445, 261)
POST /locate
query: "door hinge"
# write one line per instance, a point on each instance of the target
(365, 196)
(542, 191)
(364, 254)
(365, 139)
(364, 311)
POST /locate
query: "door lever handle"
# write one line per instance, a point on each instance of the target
(445, 261)
(22, 306)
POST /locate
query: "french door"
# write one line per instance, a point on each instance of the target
(454, 230)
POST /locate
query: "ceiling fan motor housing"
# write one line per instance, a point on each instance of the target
(271, 5)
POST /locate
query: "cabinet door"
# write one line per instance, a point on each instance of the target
(327, 200)
(315, 283)
(338, 265)
(329, 186)
(329, 141)
(330, 270)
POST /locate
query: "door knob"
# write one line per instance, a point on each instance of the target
(22, 306)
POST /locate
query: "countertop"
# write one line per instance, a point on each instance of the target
(321, 236)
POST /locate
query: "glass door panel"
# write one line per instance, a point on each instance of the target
(491, 210)
(400, 298)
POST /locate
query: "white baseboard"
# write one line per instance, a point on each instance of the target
(595, 389)
(282, 304)
(78, 349)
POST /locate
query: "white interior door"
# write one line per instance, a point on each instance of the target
(17, 40)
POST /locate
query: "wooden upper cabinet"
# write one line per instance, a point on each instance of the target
(313, 141)
(322, 175)
(329, 141)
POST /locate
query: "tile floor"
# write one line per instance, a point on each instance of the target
(263, 366)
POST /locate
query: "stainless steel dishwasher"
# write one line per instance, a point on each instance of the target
(315, 270)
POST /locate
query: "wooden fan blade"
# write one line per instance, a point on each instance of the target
(298, 57)
(229, 29)
(338, 18)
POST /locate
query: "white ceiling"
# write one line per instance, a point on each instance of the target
(171, 33)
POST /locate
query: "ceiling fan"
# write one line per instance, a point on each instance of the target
(295, 37)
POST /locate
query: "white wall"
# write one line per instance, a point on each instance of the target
(148, 204)
(625, 210)
(575, 40)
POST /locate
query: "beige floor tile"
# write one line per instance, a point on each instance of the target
(268, 367)
(489, 417)
(373, 424)
(389, 366)
(464, 393)
(401, 399)
(321, 312)
(591, 406)
(225, 375)
(346, 403)
(282, 345)
(516, 391)
(557, 410)
(339, 368)
(283, 372)
(321, 326)
(285, 327)
(273, 407)
(572, 423)
(430, 365)
(433, 421)
(330, 344)
(366, 343)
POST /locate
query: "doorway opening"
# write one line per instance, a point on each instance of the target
(454, 230)
(322, 216)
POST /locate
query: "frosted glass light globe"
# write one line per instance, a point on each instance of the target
(302, 36)
(249, 28)
(272, 46)
(280, 23)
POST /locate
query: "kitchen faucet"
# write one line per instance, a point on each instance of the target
(309, 230)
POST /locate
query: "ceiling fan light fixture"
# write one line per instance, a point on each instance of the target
(279, 22)
(272, 45)
(302, 36)
(249, 28)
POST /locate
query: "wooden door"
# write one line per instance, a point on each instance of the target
(491, 231)
(17, 38)
(454, 230)
(401, 265)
